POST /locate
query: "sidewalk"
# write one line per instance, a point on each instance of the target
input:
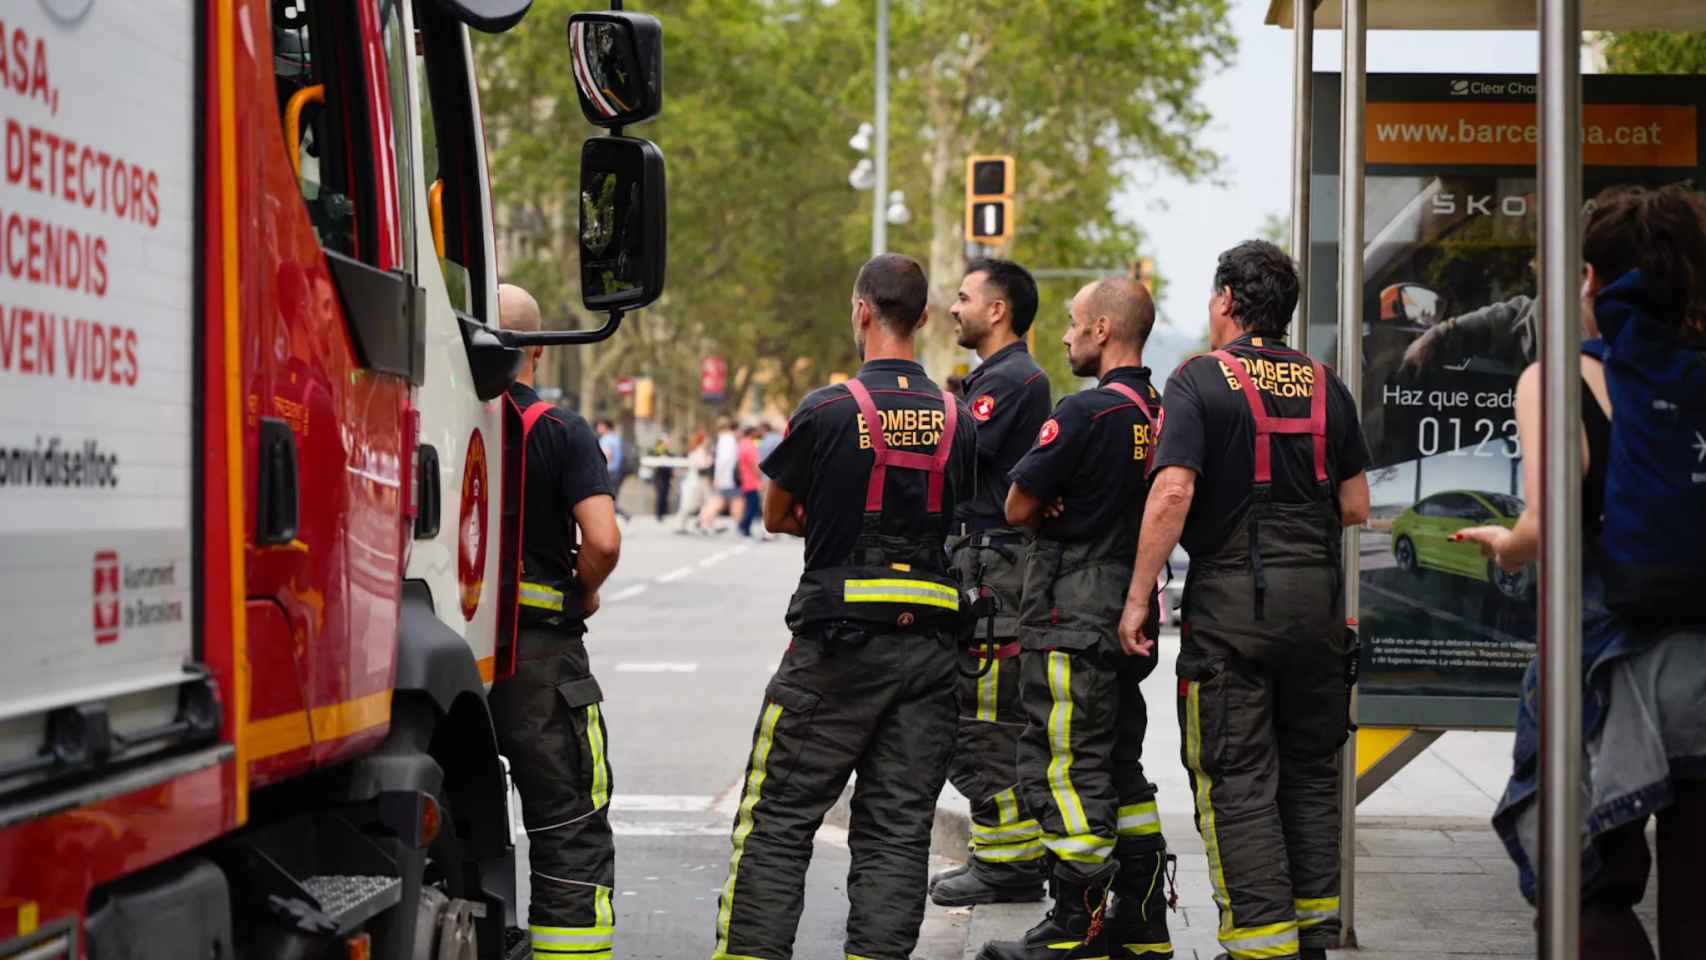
(1432, 878)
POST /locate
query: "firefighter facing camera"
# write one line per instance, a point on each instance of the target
(1008, 395)
(1259, 468)
(548, 715)
(1080, 489)
(869, 473)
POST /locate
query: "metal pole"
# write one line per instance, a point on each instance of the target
(1302, 120)
(1353, 94)
(880, 192)
(1560, 479)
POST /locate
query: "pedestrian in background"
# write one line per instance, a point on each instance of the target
(751, 480)
(725, 480)
(662, 475)
(615, 460)
(1643, 637)
(770, 441)
(1260, 467)
(695, 484)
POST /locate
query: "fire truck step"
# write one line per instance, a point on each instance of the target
(352, 900)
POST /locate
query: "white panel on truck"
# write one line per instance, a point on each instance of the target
(97, 310)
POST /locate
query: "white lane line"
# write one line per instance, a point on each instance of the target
(661, 803)
(667, 828)
(628, 593)
(675, 575)
(715, 558)
(656, 667)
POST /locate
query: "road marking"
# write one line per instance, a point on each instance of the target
(715, 558)
(675, 575)
(667, 828)
(656, 667)
(628, 593)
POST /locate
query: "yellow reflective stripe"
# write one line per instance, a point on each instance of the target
(1080, 848)
(1205, 810)
(1010, 852)
(1023, 830)
(1316, 910)
(1139, 819)
(578, 940)
(1060, 745)
(1007, 805)
(1261, 943)
(1142, 948)
(988, 687)
(577, 953)
(901, 591)
(927, 586)
(540, 595)
(600, 766)
(604, 913)
(756, 772)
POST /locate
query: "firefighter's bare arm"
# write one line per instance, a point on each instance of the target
(782, 513)
(1027, 510)
(601, 544)
(1163, 522)
(1354, 500)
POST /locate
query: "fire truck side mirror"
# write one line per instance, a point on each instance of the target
(618, 65)
(622, 224)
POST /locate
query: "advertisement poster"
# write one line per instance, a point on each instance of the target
(1450, 320)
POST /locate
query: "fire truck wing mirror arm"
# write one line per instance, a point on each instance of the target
(617, 60)
(488, 16)
(560, 338)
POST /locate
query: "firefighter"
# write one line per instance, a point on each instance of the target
(870, 472)
(548, 717)
(1008, 395)
(1081, 488)
(1260, 467)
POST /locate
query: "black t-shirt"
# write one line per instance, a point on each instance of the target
(825, 459)
(1093, 454)
(564, 467)
(1008, 394)
(1206, 426)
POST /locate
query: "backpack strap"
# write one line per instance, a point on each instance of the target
(935, 464)
(1267, 425)
(1131, 394)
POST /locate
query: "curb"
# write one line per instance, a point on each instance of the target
(950, 834)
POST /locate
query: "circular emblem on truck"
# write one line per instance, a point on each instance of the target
(471, 530)
(67, 12)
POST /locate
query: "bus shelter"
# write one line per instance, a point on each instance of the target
(1482, 125)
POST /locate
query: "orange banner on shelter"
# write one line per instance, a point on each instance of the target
(1474, 133)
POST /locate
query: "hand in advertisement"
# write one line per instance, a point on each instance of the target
(1132, 620)
(1495, 542)
(1420, 351)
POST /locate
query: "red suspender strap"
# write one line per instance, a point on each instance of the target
(1135, 397)
(531, 416)
(935, 465)
(1267, 425)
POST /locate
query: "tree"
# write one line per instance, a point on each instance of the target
(760, 99)
(1276, 229)
(1654, 51)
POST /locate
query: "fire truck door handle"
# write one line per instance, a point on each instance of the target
(278, 497)
(431, 510)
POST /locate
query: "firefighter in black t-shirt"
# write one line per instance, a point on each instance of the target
(1081, 489)
(1008, 395)
(869, 473)
(1260, 467)
(548, 716)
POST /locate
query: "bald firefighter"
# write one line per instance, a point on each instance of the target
(1081, 488)
(1260, 468)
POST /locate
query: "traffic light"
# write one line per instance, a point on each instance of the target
(990, 184)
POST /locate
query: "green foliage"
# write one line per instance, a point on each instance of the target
(1655, 52)
(760, 99)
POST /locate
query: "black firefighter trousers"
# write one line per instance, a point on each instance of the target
(1005, 838)
(551, 727)
(1263, 710)
(842, 701)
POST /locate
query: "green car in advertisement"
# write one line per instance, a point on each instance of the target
(1422, 538)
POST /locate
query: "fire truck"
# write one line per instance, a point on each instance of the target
(256, 558)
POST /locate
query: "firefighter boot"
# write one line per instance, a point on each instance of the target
(958, 871)
(1072, 929)
(1137, 920)
(981, 882)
